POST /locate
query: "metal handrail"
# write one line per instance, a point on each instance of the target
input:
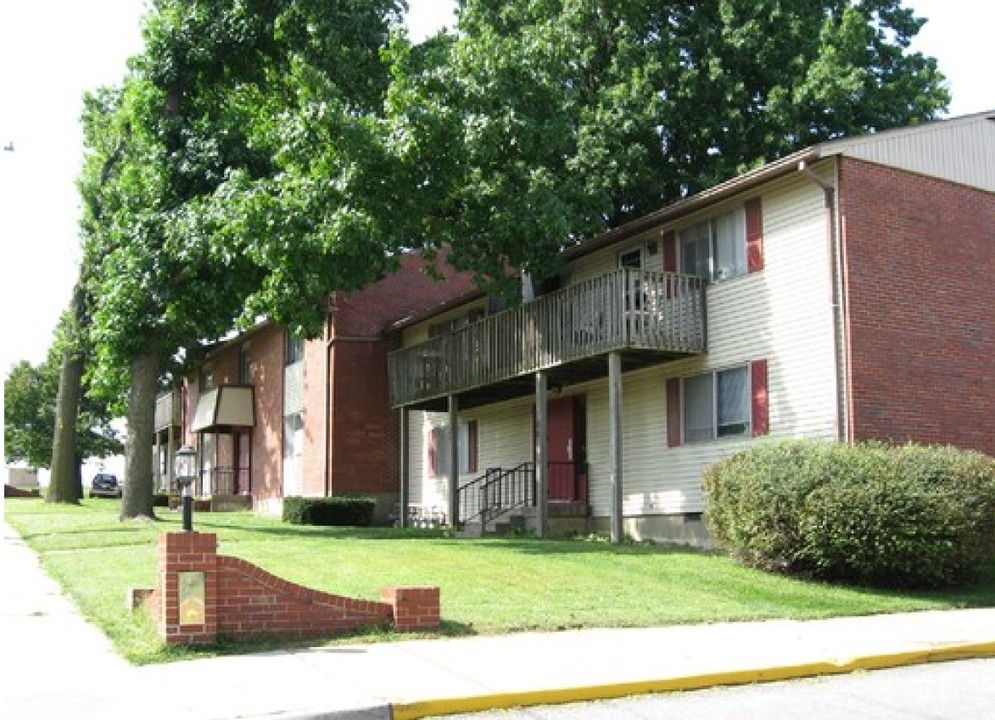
(497, 492)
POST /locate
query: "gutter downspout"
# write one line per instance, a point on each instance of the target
(326, 461)
(837, 299)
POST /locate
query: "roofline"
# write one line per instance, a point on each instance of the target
(739, 184)
(410, 320)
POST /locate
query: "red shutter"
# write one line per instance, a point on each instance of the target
(433, 451)
(471, 451)
(754, 235)
(758, 388)
(670, 251)
(673, 412)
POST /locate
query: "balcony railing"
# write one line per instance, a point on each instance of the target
(623, 310)
(167, 410)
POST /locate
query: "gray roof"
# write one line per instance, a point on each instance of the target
(961, 149)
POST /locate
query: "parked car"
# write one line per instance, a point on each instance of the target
(105, 485)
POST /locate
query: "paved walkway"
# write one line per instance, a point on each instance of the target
(56, 665)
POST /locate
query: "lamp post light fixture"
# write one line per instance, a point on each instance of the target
(185, 471)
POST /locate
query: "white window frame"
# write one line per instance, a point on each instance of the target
(723, 237)
(693, 413)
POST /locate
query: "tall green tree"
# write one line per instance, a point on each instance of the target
(31, 397)
(541, 122)
(221, 185)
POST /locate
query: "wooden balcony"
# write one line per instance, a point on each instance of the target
(168, 410)
(648, 317)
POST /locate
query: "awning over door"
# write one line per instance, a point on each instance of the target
(225, 407)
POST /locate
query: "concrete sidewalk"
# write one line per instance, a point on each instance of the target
(59, 666)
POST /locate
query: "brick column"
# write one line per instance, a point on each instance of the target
(190, 558)
(415, 608)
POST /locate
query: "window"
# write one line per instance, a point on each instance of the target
(295, 350)
(460, 321)
(727, 403)
(244, 365)
(293, 435)
(631, 258)
(206, 378)
(717, 405)
(716, 248)
(293, 454)
(439, 449)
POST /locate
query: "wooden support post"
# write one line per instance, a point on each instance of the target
(403, 469)
(542, 454)
(453, 461)
(615, 442)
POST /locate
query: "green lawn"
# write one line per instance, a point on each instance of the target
(487, 586)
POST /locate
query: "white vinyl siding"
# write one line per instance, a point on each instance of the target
(782, 314)
(504, 440)
(606, 260)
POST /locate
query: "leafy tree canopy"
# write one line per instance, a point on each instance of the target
(29, 415)
(540, 122)
(227, 177)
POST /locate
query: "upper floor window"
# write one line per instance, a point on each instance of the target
(716, 248)
(206, 379)
(631, 258)
(452, 325)
(295, 350)
(717, 404)
(244, 365)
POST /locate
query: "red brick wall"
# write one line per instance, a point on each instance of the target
(243, 600)
(252, 602)
(364, 454)
(266, 350)
(920, 278)
(364, 434)
(409, 291)
(348, 378)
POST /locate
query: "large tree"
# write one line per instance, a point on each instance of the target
(544, 121)
(221, 185)
(263, 153)
(31, 397)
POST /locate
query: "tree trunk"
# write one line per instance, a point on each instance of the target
(138, 490)
(64, 485)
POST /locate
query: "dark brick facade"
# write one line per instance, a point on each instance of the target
(919, 256)
(351, 443)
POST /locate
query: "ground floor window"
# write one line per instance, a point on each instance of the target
(717, 404)
(439, 449)
(293, 454)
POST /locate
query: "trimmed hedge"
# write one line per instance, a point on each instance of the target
(872, 514)
(347, 511)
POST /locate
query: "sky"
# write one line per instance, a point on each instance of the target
(51, 51)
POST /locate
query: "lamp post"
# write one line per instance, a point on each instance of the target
(185, 471)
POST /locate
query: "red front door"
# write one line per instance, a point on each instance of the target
(566, 449)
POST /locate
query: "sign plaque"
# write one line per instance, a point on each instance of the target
(191, 586)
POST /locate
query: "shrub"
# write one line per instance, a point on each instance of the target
(867, 513)
(350, 511)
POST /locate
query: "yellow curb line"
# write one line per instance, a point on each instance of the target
(497, 701)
